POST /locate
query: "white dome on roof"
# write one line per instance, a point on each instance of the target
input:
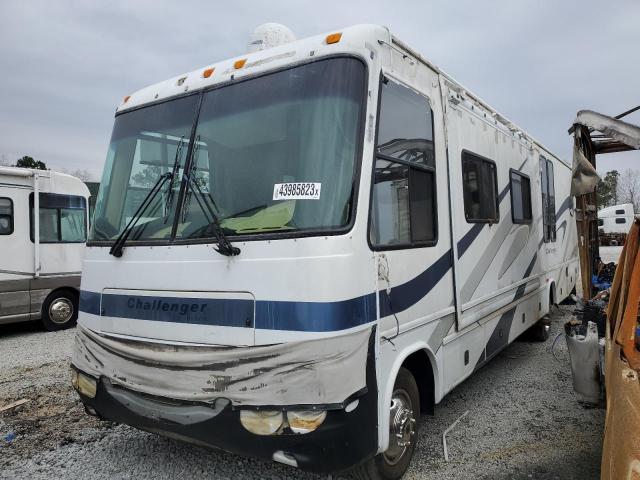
(269, 35)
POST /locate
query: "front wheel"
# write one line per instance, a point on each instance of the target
(60, 310)
(539, 331)
(404, 412)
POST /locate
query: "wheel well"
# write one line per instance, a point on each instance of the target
(419, 364)
(73, 290)
(553, 299)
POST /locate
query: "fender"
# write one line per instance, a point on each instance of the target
(386, 388)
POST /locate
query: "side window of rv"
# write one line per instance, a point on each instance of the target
(62, 218)
(621, 220)
(548, 200)
(6, 216)
(480, 189)
(403, 204)
(520, 187)
(600, 222)
(619, 212)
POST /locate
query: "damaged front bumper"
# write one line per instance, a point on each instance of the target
(345, 438)
(212, 416)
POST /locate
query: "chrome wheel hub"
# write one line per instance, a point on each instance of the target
(401, 427)
(61, 310)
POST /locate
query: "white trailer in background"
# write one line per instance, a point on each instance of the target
(43, 230)
(615, 219)
(298, 251)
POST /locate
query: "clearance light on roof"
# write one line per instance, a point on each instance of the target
(239, 63)
(333, 38)
(126, 99)
(208, 72)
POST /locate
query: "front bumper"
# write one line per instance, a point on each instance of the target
(343, 440)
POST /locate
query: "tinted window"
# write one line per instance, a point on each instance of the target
(619, 212)
(548, 200)
(480, 189)
(275, 154)
(520, 187)
(278, 133)
(62, 218)
(403, 207)
(6, 216)
(49, 231)
(621, 220)
(72, 225)
(405, 130)
(600, 222)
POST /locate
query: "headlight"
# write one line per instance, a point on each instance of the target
(84, 384)
(261, 422)
(305, 421)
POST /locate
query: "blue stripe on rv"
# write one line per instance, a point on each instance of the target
(269, 314)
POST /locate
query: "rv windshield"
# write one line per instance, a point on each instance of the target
(276, 153)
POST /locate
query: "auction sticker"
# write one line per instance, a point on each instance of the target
(296, 191)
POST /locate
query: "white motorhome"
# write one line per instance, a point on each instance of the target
(298, 251)
(43, 229)
(615, 219)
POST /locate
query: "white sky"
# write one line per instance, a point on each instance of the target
(65, 65)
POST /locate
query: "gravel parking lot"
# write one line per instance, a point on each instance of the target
(524, 422)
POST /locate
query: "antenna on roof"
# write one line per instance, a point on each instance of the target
(269, 35)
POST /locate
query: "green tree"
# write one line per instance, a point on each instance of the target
(29, 162)
(608, 189)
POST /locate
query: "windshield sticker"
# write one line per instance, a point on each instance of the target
(296, 191)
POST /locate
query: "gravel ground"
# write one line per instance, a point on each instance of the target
(524, 422)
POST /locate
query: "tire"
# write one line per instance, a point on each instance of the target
(538, 332)
(60, 310)
(405, 408)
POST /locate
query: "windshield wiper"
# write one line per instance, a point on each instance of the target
(174, 174)
(207, 205)
(116, 248)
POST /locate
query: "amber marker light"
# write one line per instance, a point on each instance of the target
(333, 38)
(239, 63)
(208, 72)
(126, 99)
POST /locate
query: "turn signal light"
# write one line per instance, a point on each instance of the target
(333, 38)
(239, 63)
(84, 384)
(208, 72)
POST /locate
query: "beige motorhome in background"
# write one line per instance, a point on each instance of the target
(41, 254)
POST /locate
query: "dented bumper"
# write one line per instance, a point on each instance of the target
(324, 370)
(344, 439)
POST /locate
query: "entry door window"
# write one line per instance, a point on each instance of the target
(520, 197)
